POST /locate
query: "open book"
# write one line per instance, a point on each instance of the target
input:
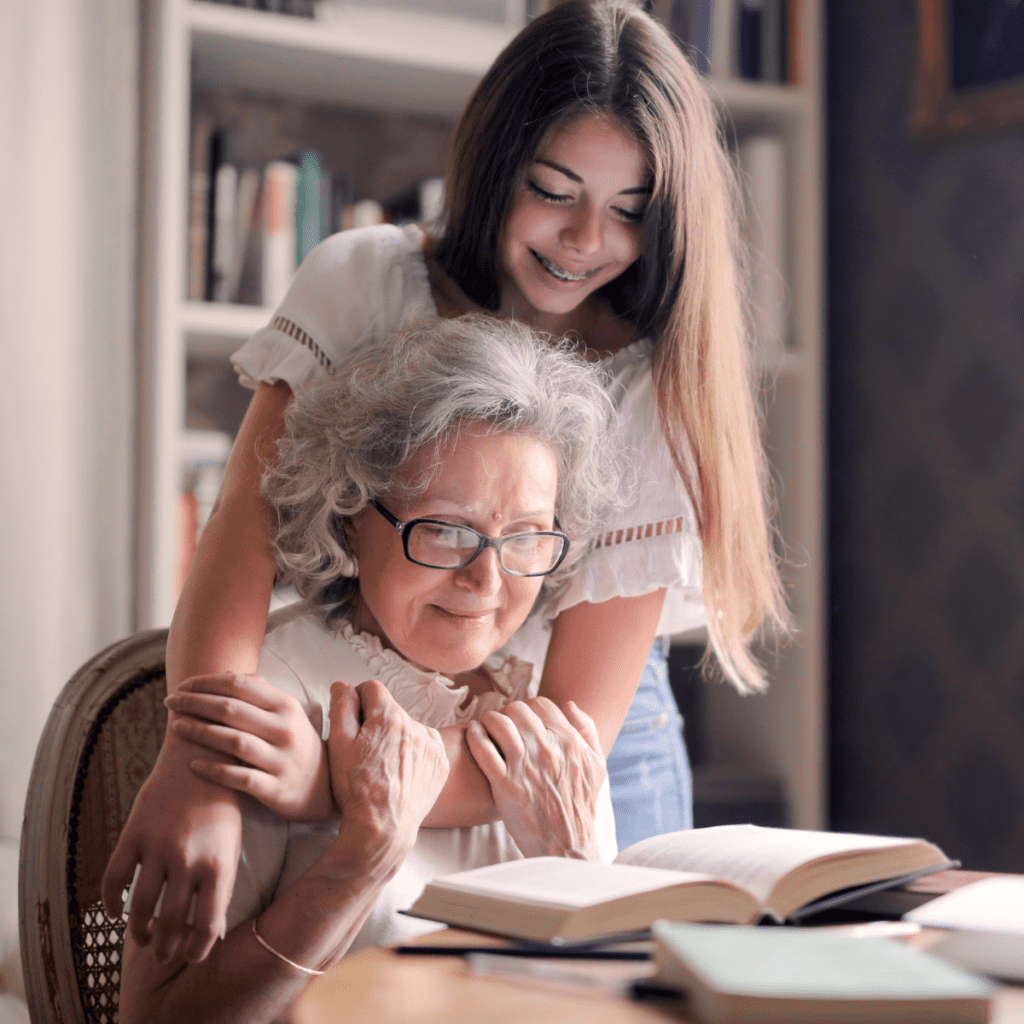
(729, 873)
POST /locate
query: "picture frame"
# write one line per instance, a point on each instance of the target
(969, 77)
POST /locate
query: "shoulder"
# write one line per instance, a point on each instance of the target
(377, 256)
(302, 657)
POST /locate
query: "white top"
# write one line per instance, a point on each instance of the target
(301, 657)
(368, 283)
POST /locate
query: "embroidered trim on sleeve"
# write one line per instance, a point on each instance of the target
(663, 528)
(293, 330)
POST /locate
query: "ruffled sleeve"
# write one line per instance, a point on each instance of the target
(355, 285)
(652, 541)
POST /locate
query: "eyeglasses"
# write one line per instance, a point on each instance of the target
(440, 545)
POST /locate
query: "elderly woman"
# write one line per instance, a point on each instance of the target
(428, 499)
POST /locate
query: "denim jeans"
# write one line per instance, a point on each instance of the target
(648, 769)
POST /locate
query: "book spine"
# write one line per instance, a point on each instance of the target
(225, 229)
(245, 207)
(431, 200)
(700, 33)
(794, 43)
(723, 36)
(307, 205)
(280, 179)
(771, 40)
(762, 161)
(749, 32)
(198, 208)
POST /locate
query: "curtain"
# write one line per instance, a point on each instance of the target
(68, 188)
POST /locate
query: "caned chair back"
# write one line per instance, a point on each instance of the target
(99, 744)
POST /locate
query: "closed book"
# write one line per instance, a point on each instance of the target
(985, 926)
(280, 179)
(749, 38)
(309, 228)
(724, 16)
(763, 163)
(198, 207)
(761, 975)
(225, 230)
(727, 873)
(245, 217)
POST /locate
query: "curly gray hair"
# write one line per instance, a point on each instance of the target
(348, 437)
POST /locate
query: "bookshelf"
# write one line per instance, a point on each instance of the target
(408, 62)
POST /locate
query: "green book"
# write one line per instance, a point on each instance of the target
(748, 975)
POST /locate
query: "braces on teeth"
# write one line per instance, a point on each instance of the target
(556, 271)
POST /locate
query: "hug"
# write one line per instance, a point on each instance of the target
(428, 499)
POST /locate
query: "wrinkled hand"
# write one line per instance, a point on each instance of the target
(185, 833)
(284, 761)
(387, 770)
(545, 768)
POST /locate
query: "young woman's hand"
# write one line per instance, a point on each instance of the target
(185, 837)
(386, 771)
(282, 762)
(546, 768)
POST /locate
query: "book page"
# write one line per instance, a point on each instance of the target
(751, 855)
(563, 883)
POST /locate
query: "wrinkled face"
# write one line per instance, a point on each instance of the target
(575, 223)
(450, 620)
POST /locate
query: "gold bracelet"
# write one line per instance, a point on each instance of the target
(280, 956)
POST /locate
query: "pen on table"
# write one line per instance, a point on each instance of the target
(527, 952)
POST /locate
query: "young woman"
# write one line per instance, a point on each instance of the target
(588, 195)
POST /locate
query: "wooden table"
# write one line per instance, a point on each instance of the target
(377, 986)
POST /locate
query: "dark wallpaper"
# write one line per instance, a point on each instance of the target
(926, 458)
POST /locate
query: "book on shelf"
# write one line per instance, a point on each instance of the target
(735, 874)
(751, 975)
(296, 8)
(198, 207)
(689, 21)
(250, 226)
(222, 213)
(984, 923)
(762, 160)
(757, 40)
(280, 181)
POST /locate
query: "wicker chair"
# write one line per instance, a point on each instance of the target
(98, 746)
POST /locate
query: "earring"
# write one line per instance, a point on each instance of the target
(348, 565)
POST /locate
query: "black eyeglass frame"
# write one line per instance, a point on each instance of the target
(483, 542)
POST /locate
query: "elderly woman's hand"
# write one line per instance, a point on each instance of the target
(546, 768)
(386, 769)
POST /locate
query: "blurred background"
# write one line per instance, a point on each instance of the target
(146, 145)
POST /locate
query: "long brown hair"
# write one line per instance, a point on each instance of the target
(686, 290)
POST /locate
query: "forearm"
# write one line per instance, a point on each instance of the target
(221, 615)
(312, 923)
(466, 798)
(596, 656)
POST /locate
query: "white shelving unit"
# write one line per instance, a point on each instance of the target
(392, 61)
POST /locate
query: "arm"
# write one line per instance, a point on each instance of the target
(597, 655)
(386, 770)
(181, 828)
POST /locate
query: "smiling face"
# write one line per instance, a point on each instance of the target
(450, 620)
(575, 223)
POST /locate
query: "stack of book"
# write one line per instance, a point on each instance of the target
(296, 8)
(752, 39)
(251, 226)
